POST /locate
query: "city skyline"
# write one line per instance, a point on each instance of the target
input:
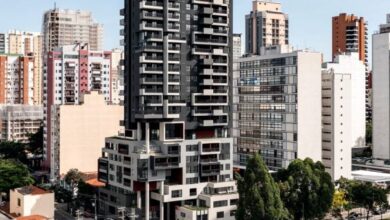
(107, 13)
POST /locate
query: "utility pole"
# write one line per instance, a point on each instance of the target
(95, 206)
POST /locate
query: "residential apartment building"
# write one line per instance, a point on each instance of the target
(277, 106)
(65, 27)
(79, 130)
(237, 51)
(2, 43)
(70, 72)
(16, 79)
(28, 44)
(349, 34)
(381, 92)
(117, 82)
(343, 113)
(177, 152)
(266, 25)
(17, 122)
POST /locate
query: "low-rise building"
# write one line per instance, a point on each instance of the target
(17, 122)
(31, 200)
(79, 130)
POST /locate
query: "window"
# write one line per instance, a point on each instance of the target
(176, 193)
(233, 201)
(19, 202)
(220, 203)
(232, 212)
(193, 192)
(220, 214)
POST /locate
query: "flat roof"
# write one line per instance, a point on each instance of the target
(32, 190)
(371, 176)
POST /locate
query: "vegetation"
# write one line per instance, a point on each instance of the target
(340, 203)
(259, 194)
(369, 133)
(306, 189)
(14, 151)
(13, 174)
(35, 145)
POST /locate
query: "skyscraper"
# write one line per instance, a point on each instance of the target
(277, 106)
(175, 160)
(70, 72)
(349, 34)
(265, 25)
(16, 79)
(343, 112)
(67, 27)
(29, 44)
(381, 91)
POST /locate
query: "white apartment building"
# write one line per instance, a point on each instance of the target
(79, 130)
(277, 106)
(18, 121)
(381, 92)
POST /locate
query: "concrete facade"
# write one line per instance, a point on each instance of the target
(266, 25)
(65, 27)
(16, 79)
(70, 72)
(381, 94)
(277, 106)
(19, 121)
(79, 130)
(31, 200)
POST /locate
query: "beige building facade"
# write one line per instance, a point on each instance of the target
(31, 200)
(78, 132)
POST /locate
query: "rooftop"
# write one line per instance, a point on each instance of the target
(32, 190)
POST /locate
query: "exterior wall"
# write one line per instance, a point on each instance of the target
(2, 43)
(349, 35)
(237, 46)
(16, 75)
(381, 97)
(266, 25)
(18, 121)
(72, 26)
(117, 88)
(81, 130)
(72, 71)
(278, 114)
(337, 123)
(41, 204)
(309, 105)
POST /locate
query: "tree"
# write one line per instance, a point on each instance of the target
(339, 202)
(369, 133)
(259, 194)
(35, 145)
(306, 189)
(368, 196)
(13, 150)
(13, 175)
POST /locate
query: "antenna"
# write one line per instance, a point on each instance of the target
(55, 5)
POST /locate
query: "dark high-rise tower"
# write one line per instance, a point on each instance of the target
(178, 61)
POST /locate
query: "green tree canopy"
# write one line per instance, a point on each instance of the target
(306, 189)
(259, 194)
(13, 150)
(35, 145)
(13, 175)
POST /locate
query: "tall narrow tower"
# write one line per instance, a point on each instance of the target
(178, 59)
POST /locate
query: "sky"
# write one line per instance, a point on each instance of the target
(310, 20)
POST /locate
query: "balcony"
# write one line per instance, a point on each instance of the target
(164, 162)
(152, 15)
(156, 5)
